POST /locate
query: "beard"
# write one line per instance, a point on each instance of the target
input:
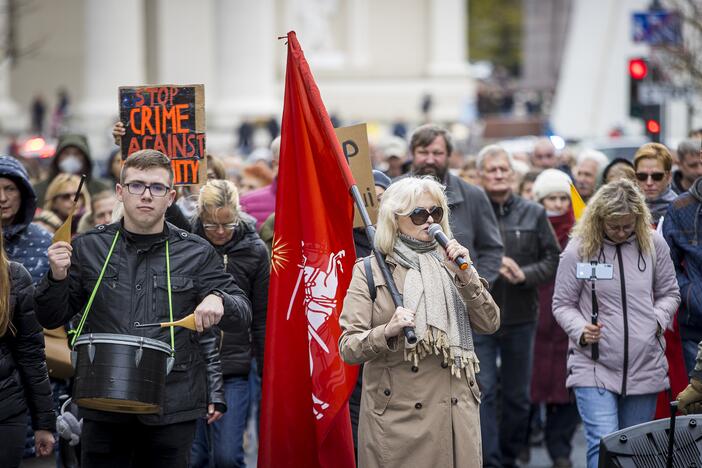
(438, 172)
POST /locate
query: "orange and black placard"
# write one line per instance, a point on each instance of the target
(170, 119)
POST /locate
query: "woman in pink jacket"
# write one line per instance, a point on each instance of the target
(618, 389)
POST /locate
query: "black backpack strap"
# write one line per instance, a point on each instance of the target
(369, 278)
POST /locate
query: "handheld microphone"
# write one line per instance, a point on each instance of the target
(436, 232)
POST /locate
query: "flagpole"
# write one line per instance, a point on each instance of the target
(410, 336)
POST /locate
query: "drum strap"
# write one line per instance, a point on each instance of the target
(81, 324)
(79, 330)
(170, 301)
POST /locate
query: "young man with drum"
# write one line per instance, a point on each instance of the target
(141, 270)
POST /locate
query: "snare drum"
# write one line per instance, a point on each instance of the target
(120, 373)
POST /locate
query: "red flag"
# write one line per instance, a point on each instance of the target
(306, 386)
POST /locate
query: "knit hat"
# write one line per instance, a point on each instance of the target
(550, 181)
(381, 180)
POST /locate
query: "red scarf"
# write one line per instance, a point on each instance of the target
(562, 224)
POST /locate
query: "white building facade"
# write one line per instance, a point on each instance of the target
(373, 60)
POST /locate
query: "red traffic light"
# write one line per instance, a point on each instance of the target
(638, 68)
(653, 126)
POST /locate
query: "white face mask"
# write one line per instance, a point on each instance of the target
(552, 214)
(71, 165)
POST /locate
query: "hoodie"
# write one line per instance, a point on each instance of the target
(681, 229)
(25, 242)
(81, 143)
(260, 203)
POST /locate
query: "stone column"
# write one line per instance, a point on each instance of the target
(10, 114)
(358, 34)
(114, 56)
(448, 36)
(246, 48)
(9, 111)
(184, 39)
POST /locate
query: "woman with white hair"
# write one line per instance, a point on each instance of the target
(420, 403)
(618, 388)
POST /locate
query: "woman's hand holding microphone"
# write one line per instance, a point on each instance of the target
(453, 251)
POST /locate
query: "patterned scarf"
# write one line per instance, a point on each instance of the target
(441, 318)
(658, 206)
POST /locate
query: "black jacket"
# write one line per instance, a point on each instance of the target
(246, 258)
(24, 380)
(530, 241)
(134, 289)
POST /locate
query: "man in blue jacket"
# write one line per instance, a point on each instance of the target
(25, 242)
(681, 228)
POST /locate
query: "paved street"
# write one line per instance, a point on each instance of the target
(539, 457)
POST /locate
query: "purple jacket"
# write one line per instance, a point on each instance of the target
(260, 203)
(633, 307)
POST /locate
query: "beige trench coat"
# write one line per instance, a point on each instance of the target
(411, 416)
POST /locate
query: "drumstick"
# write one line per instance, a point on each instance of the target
(186, 322)
(63, 233)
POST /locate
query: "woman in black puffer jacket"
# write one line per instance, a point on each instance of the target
(24, 380)
(245, 257)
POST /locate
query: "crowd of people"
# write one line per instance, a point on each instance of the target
(517, 345)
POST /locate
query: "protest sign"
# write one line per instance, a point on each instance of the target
(354, 143)
(170, 119)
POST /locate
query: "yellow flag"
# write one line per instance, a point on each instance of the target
(576, 202)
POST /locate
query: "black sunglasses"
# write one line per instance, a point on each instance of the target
(656, 176)
(420, 216)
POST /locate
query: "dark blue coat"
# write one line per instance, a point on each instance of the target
(682, 229)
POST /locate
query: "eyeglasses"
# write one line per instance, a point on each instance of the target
(156, 190)
(420, 216)
(656, 176)
(216, 226)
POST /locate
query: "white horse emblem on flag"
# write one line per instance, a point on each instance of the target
(319, 275)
